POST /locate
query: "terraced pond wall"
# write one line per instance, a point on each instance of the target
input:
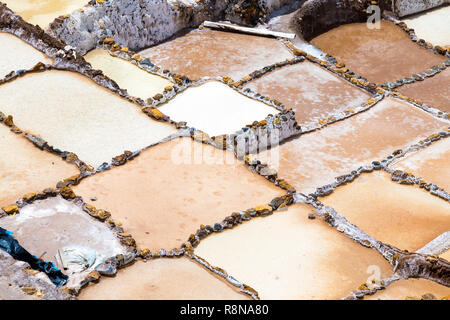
(140, 24)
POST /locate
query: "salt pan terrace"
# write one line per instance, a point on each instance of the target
(17, 54)
(169, 160)
(43, 12)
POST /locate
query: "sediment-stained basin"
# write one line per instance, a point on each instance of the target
(16, 54)
(430, 163)
(212, 53)
(42, 12)
(311, 91)
(432, 26)
(24, 168)
(215, 108)
(288, 256)
(138, 82)
(433, 91)
(46, 226)
(380, 55)
(74, 114)
(173, 279)
(410, 289)
(166, 193)
(400, 215)
(315, 159)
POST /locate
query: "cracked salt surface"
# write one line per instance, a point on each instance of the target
(215, 108)
(74, 114)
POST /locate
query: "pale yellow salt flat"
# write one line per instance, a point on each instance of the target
(411, 288)
(16, 54)
(401, 215)
(43, 12)
(431, 164)
(162, 279)
(215, 108)
(288, 256)
(74, 114)
(24, 168)
(138, 82)
(432, 26)
(445, 255)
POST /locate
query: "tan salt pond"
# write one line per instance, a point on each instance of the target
(430, 163)
(401, 215)
(24, 168)
(288, 256)
(378, 55)
(407, 289)
(74, 114)
(43, 12)
(215, 108)
(434, 91)
(16, 54)
(445, 255)
(52, 224)
(315, 159)
(139, 83)
(213, 53)
(169, 190)
(312, 92)
(432, 26)
(172, 279)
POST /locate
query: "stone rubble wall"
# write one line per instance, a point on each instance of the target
(407, 7)
(140, 24)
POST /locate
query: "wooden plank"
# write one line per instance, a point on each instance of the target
(261, 32)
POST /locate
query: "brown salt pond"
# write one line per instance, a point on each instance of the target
(433, 25)
(53, 224)
(315, 159)
(27, 169)
(410, 289)
(42, 12)
(215, 108)
(433, 91)
(139, 83)
(430, 163)
(312, 92)
(296, 258)
(74, 114)
(166, 193)
(379, 55)
(401, 215)
(212, 53)
(16, 54)
(173, 279)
